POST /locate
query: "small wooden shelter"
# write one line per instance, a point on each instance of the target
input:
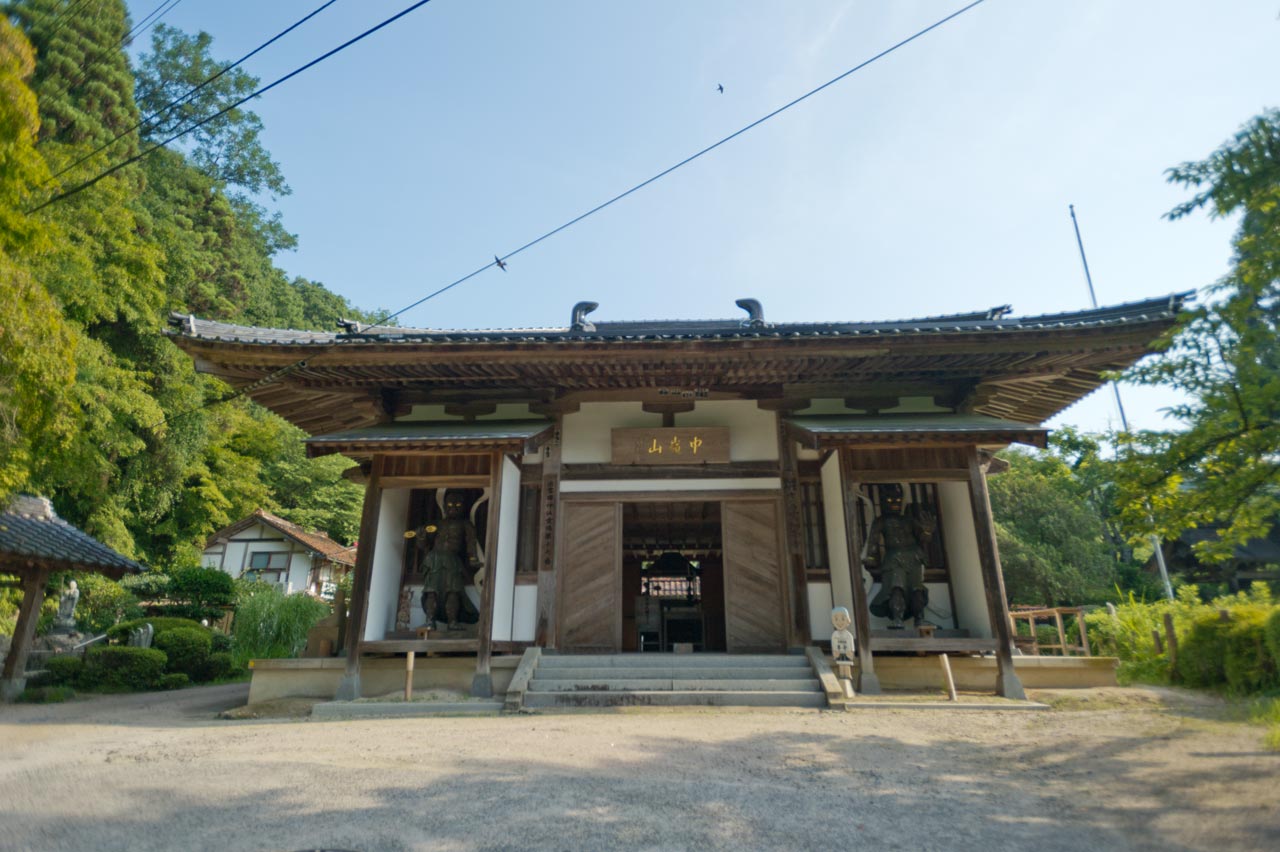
(34, 543)
(684, 484)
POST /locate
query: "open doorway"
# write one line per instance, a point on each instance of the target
(672, 576)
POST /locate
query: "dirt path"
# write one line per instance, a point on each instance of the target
(1148, 771)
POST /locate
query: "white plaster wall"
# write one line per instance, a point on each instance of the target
(962, 558)
(820, 607)
(837, 544)
(504, 561)
(524, 619)
(753, 432)
(587, 436)
(388, 562)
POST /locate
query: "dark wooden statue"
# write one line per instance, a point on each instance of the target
(898, 542)
(448, 565)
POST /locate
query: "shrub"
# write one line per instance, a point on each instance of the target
(1272, 635)
(187, 649)
(219, 665)
(221, 642)
(162, 624)
(1202, 652)
(148, 586)
(46, 694)
(122, 668)
(64, 670)
(271, 624)
(1248, 665)
(199, 592)
(174, 680)
(103, 603)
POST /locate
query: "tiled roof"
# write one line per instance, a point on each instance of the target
(30, 531)
(836, 427)
(993, 321)
(315, 541)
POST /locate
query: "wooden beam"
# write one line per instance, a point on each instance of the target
(349, 686)
(14, 677)
(545, 630)
(1007, 682)
(868, 683)
(793, 537)
(482, 681)
(719, 470)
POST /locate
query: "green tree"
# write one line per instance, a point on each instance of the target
(1053, 542)
(1223, 467)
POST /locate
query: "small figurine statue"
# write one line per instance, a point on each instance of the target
(842, 648)
(65, 621)
(897, 542)
(447, 567)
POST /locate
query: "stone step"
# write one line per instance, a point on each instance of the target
(674, 698)
(675, 673)
(616, 684)
(690, 661)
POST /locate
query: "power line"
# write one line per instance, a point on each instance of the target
(502, 260)
(135, 29)
(190, 93)
(280, 373)
(83, 186)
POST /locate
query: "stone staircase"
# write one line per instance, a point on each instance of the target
(669, 680)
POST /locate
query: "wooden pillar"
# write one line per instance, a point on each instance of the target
(482, 681)
(1007, 682)
(868, 683)
(793, 526)
(14, 678)
(545, 630)
(349, 686)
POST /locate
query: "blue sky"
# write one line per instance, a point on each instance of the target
(936, 180)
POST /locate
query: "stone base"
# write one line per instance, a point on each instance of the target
(11, 688)
(320, 678)
(348, 688)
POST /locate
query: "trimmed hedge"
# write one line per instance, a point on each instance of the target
(1272, 633)
(187, 649)
(161, 624)
(218, 665)
(123, 668)
(174, 680)
(1231, 652)
(64, 670)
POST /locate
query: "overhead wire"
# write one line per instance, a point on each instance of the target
(60, 20)
(148, 120)
(80, 187)
(501, 260)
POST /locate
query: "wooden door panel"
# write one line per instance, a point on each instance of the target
(755, 605)
(590, 604)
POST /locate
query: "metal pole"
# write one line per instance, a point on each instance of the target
(1115, 388)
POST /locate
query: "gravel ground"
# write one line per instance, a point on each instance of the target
(1111, 769)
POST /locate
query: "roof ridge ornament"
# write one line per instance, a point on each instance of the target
(351, 326)
(755, 313)
(999, 312)
(578, 320)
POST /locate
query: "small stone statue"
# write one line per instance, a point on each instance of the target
(448, 566)
(842, 648)
(841, 639)
(897, 541)
(65, 621)
(140, 637)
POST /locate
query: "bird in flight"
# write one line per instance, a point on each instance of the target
(498, 261)
(720, 88)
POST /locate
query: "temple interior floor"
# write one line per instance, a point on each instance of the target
(1106, 769)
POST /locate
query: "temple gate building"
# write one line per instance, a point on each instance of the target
(693, 485)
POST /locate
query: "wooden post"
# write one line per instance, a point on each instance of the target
(349, 686)
(1084, 632)
(1155, 640)
(482, 681)
(1007, 682)
(408, 676)
(14, 678)
(545, 629)
(868, 683)
(946, 673)
(1062, 633)
(793, 526)
(1171, 639)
